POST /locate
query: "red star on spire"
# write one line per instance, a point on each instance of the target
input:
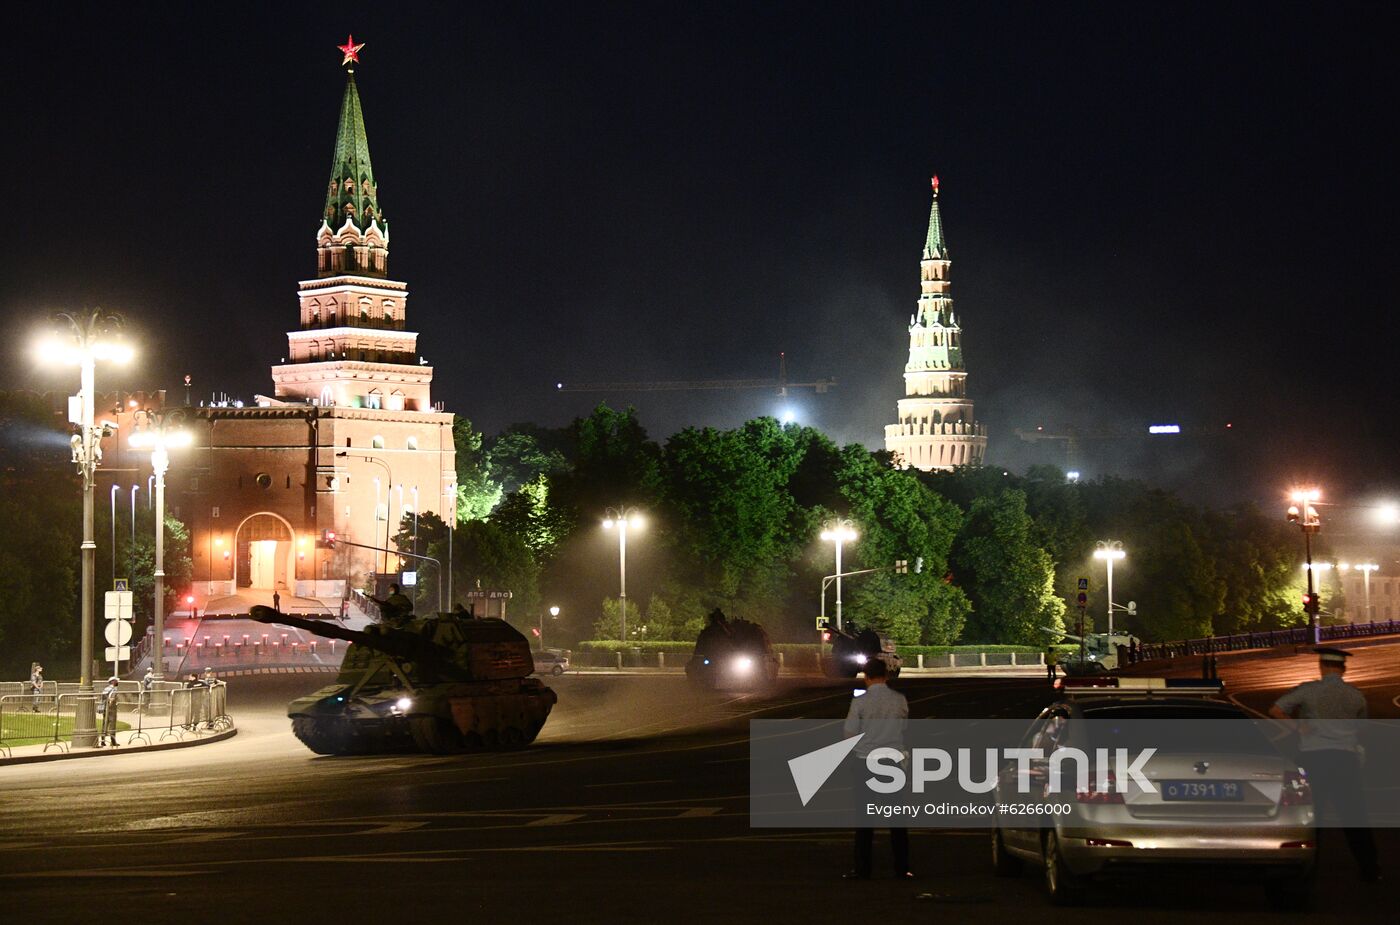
(350, 50)
(934, 181)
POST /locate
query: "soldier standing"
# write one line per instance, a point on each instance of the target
(107, 707)
(36, 684)
(1329, 750)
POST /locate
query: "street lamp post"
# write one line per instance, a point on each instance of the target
(623, 518)
(553, 615)
(149, 480)
(1110, 551)
(132, 553)
(390, 473)
(451, 529)
(839, 532)
(415, 520)
(1366, 569)
(1304, 514)
(114, 537)
(160, 441)
(88, 338)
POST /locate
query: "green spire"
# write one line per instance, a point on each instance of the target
(934, 246)
(352, 192)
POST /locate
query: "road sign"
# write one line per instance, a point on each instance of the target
(118, 605)
(489, 595)
(1083, 584)
(121, 584)
(823, 622)
(118, 632)
(1083, 598)
(118, 654)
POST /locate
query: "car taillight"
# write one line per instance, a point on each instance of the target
(1296, 791)
(1093, 795)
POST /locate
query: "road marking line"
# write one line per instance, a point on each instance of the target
(556, 819)
(633, 783)
(392, 828)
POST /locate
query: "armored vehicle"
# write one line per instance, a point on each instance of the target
(851, 649)
(1098, 653)
(444, 684)
(732, 654)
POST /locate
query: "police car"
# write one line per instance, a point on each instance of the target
(1221, 799)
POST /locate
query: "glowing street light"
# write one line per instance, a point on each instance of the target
(840, 532)
(1109, 552)
(152, 434)
(82, 340)
(1304, 514)
(624, 519)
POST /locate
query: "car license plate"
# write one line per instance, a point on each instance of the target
(1203, 790)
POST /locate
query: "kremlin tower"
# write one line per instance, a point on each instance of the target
(936, 429)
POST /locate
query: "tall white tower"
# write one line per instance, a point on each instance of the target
(936, 429)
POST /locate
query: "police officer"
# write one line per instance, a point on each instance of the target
(881, 713)
(1052, 660)
(1329, 751)
(107, 707)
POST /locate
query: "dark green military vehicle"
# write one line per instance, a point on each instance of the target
(444, 684)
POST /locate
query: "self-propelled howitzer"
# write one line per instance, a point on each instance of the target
(444, 684)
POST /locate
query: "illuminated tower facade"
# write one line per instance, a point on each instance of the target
(352, 347)
(937, 428)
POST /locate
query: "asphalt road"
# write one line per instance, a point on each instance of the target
(631, 807)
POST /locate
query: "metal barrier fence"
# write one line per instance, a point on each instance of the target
(1298, 635)
(169, 709)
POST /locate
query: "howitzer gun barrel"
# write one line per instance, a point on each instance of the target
(395, 643)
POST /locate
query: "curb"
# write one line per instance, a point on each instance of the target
(130, 750)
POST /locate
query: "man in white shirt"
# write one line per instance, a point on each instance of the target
(1329, 713)
(880, 713)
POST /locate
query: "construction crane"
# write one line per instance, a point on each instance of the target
(780, 384)
(1074, 436)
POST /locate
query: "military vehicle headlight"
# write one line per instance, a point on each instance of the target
(743, 664)
(404, 704)
(861, 660)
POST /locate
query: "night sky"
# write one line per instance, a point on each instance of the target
(1155, 214)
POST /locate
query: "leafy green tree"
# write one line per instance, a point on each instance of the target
(39, 585)
(523, 453)
(733, 519)
(898, 517)
(1010, 579)
(179, 566)
(488, 557)
(528, 513)
(477, 492)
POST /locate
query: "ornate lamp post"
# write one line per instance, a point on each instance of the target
(153, 433)
(624, 519)
(1302, 513)
(840, 532)
(81, 340)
